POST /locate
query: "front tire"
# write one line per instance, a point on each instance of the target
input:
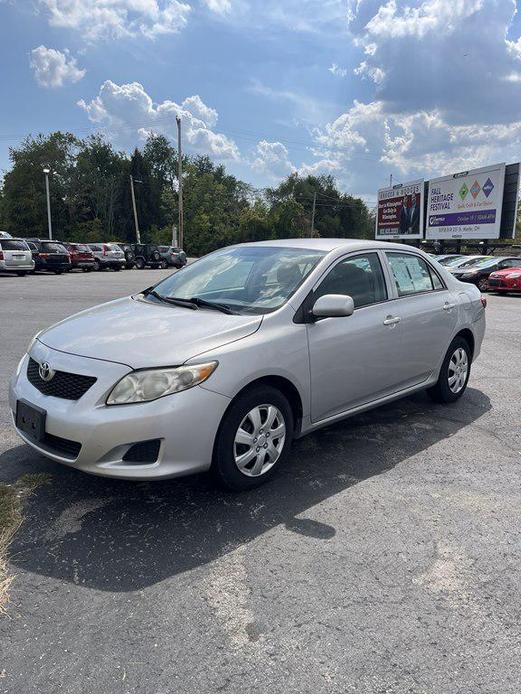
(140, 264)
(454, 373)
(253, 440)
(21, 273)
(483, 284)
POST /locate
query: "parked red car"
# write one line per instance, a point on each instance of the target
(505, 281)
(82, 257)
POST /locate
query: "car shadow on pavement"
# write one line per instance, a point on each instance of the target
(115, 535)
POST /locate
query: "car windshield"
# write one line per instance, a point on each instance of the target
(483, 262)
(461, 262)
(247, 279)
(450, 259)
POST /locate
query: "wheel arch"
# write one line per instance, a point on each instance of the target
(468, 336)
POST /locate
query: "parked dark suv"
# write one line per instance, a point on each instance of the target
(146, 255)
(50, 256)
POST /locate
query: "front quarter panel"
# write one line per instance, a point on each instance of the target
(278, 348)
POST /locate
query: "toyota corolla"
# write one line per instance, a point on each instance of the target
(222, 364)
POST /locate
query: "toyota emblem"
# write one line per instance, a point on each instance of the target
(45, 371)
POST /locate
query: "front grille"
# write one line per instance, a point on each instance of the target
(63, 385)
(64, 447)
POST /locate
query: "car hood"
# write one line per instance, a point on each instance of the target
(143, 334)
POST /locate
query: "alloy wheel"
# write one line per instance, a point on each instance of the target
(259, 440)
(458, 370)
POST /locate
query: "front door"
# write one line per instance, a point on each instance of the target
(353, 358)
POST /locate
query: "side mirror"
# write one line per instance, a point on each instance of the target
(333, 306)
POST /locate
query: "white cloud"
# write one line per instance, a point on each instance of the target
(449, 55)
(52, 68)
(219, 6)
(97, 19)
(127, 111)
(272, 159)
(337, 70)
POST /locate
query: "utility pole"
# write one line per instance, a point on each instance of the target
(136, 223)
(47, 171)
(390, 180)
(313, 214)
(180, 181)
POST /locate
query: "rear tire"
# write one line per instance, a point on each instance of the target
(454, 373)
(140, 263)
(21, 273)
(263, 448)
(97, 265)
(117, 268)
(58, 272)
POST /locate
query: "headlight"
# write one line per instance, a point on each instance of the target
(151, 384)
(513, 275)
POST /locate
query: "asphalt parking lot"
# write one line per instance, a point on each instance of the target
(384, 558)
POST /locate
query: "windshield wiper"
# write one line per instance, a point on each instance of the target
(211, 304)
(185, 303)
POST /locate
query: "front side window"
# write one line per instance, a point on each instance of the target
(247, 279)
(412, 274)
(359, 277)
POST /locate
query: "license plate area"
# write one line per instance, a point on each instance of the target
(31, 420)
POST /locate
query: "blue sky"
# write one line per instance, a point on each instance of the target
(356, 88)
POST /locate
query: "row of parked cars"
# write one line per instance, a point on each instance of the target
(22, 256)
(500, 274)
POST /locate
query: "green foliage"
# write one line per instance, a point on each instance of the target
(91, 197)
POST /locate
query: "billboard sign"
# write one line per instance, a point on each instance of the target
(400, 211)
(466, 205)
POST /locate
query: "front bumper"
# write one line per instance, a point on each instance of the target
(186, 423)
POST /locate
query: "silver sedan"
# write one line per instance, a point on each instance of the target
(222, 364)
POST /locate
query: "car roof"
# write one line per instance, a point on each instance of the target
(328, 245)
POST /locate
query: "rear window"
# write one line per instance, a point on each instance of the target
(82, 248)
(95, 247)
(49, 247)
(11, 245)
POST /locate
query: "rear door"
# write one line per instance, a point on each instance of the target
(16, 253)
(114, 251)
(428, 313)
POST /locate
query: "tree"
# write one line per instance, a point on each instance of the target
(25, 205)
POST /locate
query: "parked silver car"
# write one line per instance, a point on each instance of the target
(15, 256)
(226, 361)
(107, 255)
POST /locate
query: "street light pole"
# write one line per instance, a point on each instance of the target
(313, 214)
(46, 171)
(136, 223)
(180, 180)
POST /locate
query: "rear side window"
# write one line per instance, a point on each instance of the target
(412, 274)
(11, 245)
(359, 277)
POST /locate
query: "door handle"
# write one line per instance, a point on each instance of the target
(448, 306)
(392, 320)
